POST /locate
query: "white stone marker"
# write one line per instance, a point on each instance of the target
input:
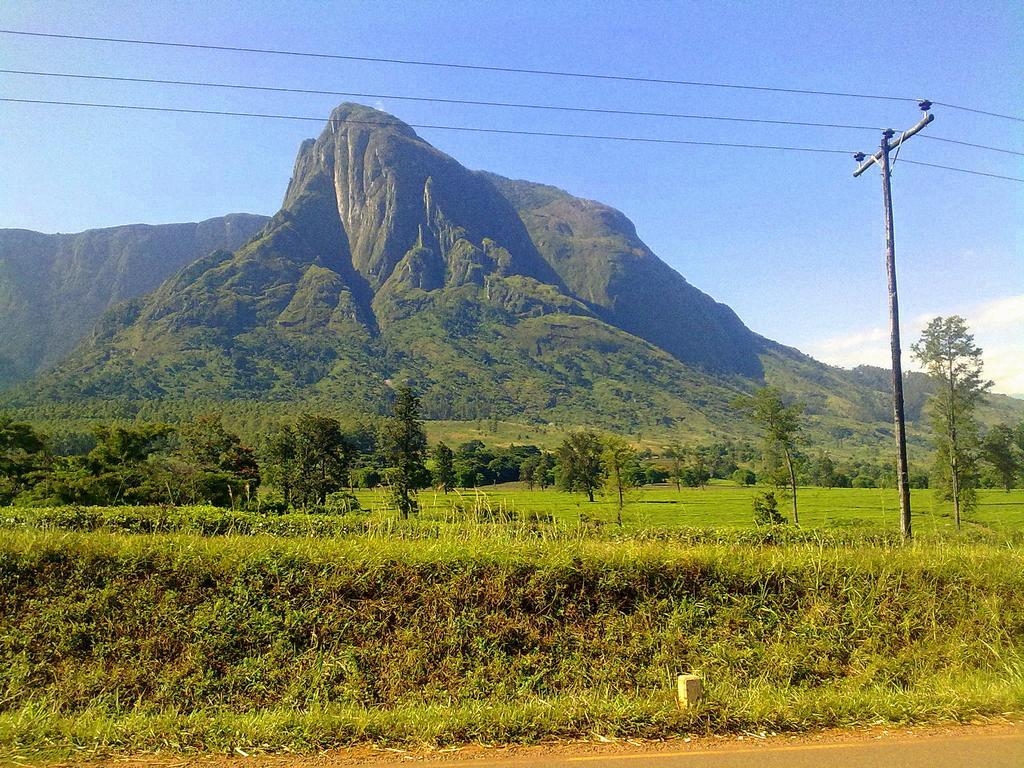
(688, 690)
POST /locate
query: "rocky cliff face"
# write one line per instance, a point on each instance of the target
(405, 215)
(54, 287)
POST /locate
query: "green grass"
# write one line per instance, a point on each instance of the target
(848, 514)
(117, 643)
(725, 505)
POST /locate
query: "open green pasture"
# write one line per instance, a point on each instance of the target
(717, 512)
(723, 504)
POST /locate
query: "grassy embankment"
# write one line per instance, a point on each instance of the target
(446, 632)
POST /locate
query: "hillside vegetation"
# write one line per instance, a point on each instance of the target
(390, 262)
(53, 288)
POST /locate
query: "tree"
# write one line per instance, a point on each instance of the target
(780, 424)
(281, 468)
(22, 457)
(947, 351)
(1001, 453)
(127, 464)
(578, 463)
(322, 459)
(214, 465)
(404, 447)
(823, 471)
(528, 471)
(544, 474)
(622, 470)
(308, 460)
(444, 468)
(676, 454)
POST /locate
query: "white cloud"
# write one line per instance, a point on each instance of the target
(865, 347)
(997, 325)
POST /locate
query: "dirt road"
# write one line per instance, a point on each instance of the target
(986, 746)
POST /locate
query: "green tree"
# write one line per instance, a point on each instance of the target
(1001, 453)
(281, 466)
(444, 467)
(544, 474)
(676, 455)
(129, 465)
(947, 351)
(404, 447)
(621, 469)
(578, 464)
(22, 457)
(322, 459)
(214, 466)
(780, 424)
(823, 471)
(528, 471)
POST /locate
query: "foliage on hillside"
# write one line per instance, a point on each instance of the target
(54, 287)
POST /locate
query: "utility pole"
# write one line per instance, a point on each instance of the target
(882, 158)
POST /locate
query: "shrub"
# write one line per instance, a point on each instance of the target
(744, 477)
(341, 503)
(364, 477)
(766, 510)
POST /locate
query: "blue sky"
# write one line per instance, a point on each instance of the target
(791, 241)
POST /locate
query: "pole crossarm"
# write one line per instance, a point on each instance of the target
(903, 137)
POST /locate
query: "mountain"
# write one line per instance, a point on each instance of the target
(597, 254)
(390, 261)
(54, 287)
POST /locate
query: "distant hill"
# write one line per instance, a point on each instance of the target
(389, 261)
(54, 287)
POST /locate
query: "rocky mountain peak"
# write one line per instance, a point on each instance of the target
(395, 196)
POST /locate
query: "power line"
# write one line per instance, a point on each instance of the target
(450, 65)
(508, 131)
(976, 146)
(506, 70)
(961, 170)
(978, 111)
(434, 100)
(470, 102)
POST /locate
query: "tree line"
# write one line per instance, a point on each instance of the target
(311, 461)
(966, 458)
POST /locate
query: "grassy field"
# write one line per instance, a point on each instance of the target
(473, 624)
(724, 504)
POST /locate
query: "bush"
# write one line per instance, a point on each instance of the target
(744, 477)
(341, 503)
(364, 477)
(918, 479)
(269, 503)
(766, 510)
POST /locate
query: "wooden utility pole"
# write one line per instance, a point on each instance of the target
(882, 158)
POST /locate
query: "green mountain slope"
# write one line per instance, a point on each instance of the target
(596, 252)
(391, 261)
(54, 287)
